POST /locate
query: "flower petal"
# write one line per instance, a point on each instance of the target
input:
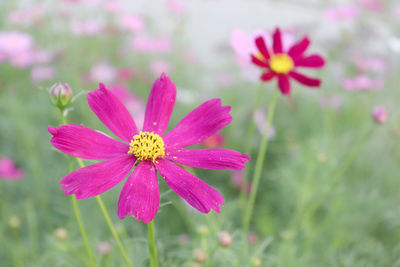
(284, 84)
(82, 142)
(197, 193)
(160, 105)
(95, 179)
(217, 158)
(299, 48)
(262, 47)
(258, 62)
(112, 113)
(267, 76)
(277, 40)
(313, 61)
(305, 80)
(204, 121)
(140, 196)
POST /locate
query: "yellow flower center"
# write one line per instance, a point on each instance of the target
(281, 63)
(147, 146)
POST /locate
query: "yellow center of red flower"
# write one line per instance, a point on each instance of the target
(147, 146)
(281, 63)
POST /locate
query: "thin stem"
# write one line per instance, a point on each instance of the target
(152, 244)
(259, 164)
(78, 217)
(110, 223)
(249, 141)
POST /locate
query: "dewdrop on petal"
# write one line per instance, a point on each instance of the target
(14, 222)
(380, 115)
(225, 239)
(199, 255)
(61, 233)
(61, 95)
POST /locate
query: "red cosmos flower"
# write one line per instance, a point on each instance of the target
(282, 64)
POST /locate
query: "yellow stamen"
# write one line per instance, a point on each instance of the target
(281, 63)
(147, 146)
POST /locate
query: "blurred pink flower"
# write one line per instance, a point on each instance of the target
(125, 74)
(26, 16)
(397, 12)
(23, 59)
(112, 6)
(88, 27)
(214, 141)
(334, 102)
(372, 5)
(103, 72)
(131, 22)
(380, 115)
(132, 102)
(145, 44)
(159, 66)
(176, 7)
(363, 83)
(41, 74)
(341, 13)
(103, 248)
(14, 43)
(370, 63)
(189, 57)
(237, 180)
(8, 170)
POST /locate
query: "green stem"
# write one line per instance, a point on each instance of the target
(249, 141)
(259, 164)
(78, 217)
(152, 244)
(110, 223)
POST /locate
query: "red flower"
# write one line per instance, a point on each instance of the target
(281, 64)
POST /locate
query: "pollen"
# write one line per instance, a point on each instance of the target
(281, 63)
(147, 146)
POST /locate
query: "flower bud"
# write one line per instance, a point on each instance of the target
(225, 239)
(61, 95)
(200, 255)
(256, 262)
(380, 115)
(61, 233)
(14, 222)
(103, 248)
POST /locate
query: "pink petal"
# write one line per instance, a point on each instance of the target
(95, 179)
(313, 61)
(258, 62)
(204, 121)
(197, 193)
(277, 42)
(140, 196)
(160, 105)
(262, 47)
(112, 113)
(82, 142)
(299, 48)
(305, 80)
(284, 84)
(217, 158)
(267, 76)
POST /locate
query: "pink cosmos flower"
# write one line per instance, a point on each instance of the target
(341, 13)
(237, 181)
(145, 44)
(41, 74)
(372, 5)
(334, 102)
(214, 141)
(363, 83)
(131, 22)
(14, 43)
(176, 7)
(150, 149)
(103, 71)
(282, 64)
(8, 170)
(380, 115)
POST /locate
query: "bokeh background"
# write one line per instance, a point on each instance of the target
(330, 181)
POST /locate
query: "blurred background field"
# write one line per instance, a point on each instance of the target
(329, 193)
